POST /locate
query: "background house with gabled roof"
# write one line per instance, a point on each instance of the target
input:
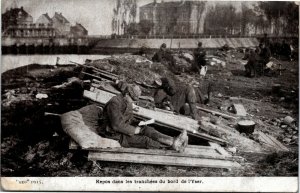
(78, 30)
(61, 24)
(44, 19)
(15, 17)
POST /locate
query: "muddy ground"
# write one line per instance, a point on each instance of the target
(33, 144)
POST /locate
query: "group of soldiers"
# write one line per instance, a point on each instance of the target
(164, 55)
(257, 60)
(117, 117)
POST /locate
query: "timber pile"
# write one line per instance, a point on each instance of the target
(213, 156)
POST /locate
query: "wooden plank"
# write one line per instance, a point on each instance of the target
(220, 149)
(197, 151)
(106, 87)
(265, 139)
(239, 110)
(162, 160)
(105, 75)
(216, 113)
(169, 120)
(278, 143)
(271, 141)
(74, 145)
(92, 75)
(164, 111)
(96, 69)
(201, 151)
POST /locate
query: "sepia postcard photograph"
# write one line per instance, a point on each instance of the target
(149, 95)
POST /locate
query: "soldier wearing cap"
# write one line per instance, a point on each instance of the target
(181, 98)
(199, 55)
(161, 54)
(117, 124)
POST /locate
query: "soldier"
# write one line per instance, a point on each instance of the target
(116, 124)
(179, 98)
(199, 55)
(161, 54)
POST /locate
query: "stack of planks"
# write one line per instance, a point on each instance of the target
(213, 156)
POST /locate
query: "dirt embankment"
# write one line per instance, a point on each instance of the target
(33, 144)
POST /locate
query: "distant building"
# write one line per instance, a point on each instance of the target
(17, 22)
(15, 17)
(78, 30)
(61, 24)
(181, 17)
(44, 19)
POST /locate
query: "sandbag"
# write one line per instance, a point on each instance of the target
(73, 124)
(90, 115)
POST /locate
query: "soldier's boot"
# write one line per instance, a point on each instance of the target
(180, 142)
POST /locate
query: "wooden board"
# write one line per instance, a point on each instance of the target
(207, 152)
(165, 119)
(239, 110)
(271, 142)
(162, 160)
(220, 149)
(226, 116)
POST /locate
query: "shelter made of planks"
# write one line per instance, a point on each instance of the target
(213, 156)
(171, 121)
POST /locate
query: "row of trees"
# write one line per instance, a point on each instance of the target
(275, 17)
(124, 14)
(284, 15)
(142, 28)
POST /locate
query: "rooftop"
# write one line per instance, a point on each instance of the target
(172, 4)
(60, 17)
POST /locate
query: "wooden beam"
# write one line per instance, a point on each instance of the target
(220, 149)
(162, 160)
(216, 113)
(271, 142)
(96, 69)
(239, 110)
(106, 75)
(92, 75)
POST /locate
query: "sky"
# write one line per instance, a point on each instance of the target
(95, 15)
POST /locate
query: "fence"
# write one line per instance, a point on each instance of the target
(198, 36)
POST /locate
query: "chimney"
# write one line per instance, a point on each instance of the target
(21, 7)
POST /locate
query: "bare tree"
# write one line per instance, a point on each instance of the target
(124, 13)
